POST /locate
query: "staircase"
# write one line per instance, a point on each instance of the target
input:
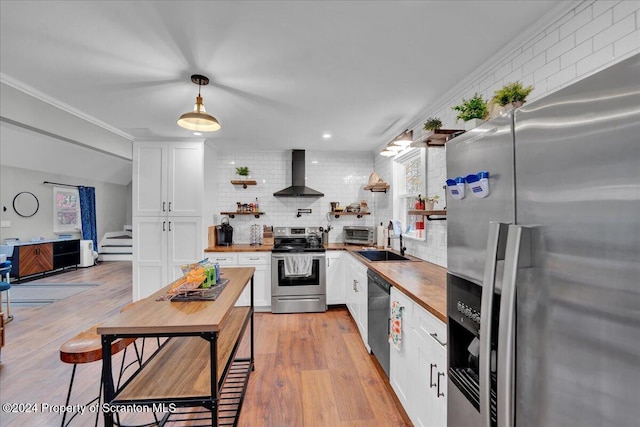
(116, 245)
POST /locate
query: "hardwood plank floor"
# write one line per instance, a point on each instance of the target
(311, 369)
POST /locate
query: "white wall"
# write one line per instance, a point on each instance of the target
(341, 176)
(568, 48)
(113, 203)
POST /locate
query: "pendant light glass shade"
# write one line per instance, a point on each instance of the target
(198, 119)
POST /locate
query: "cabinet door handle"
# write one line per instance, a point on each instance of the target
(169, 222)
(356, 283)
(164, 205)
(254, 259)
(438, 390)
(164, 228)
(431, 383)
(169, 206)
(328, 262)
(435, 337)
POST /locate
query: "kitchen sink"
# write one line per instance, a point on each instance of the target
(373, 255)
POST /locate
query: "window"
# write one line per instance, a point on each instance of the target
(409, 181)
(66, 210)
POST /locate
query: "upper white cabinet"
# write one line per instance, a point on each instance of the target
(169, 178)
(336, 276)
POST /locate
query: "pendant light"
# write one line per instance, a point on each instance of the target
(198, 119)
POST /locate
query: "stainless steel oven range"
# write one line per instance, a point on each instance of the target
(298, 269)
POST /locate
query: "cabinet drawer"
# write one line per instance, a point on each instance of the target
(427, 324)
(406, 303)
(224, 258)
(254, 258)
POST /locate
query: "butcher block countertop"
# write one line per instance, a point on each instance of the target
(240, 247)
(423, 282)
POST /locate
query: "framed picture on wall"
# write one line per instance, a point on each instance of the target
(66, 210)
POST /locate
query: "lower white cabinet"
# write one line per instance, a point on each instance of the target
(160, 246)
(356, 295)
(336, 276)
(261, 261)
(418, 371)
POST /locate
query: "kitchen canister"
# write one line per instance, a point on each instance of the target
(255, 237)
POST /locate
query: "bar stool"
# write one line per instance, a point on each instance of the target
(86, 347)
(5, 286)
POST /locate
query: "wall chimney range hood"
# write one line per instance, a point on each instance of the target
(298, 189)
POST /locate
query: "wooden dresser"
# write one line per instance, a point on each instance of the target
(42, 257)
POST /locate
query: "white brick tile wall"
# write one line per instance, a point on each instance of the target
(610, 35)
(592, 35)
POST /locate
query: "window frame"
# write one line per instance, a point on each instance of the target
(66, 228)
(404, 201)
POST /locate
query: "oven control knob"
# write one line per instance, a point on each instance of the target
(460, 307)
(475, 317)
(467, 311)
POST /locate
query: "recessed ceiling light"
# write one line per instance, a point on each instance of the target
(326, 135)
(197, 133)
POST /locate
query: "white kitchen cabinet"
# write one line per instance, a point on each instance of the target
(336, 276)
(160, 246)
(401, 378)
(261, 261)
(418, 371)
(356, 295)
(168, 178)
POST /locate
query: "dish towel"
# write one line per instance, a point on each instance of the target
(298, 265)
(395, 336)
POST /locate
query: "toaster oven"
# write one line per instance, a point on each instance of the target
(359, 235)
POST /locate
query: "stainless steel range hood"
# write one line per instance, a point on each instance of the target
(298, 189)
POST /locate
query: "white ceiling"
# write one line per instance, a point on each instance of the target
(283, 73)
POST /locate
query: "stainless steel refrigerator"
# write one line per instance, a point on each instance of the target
(544, 260)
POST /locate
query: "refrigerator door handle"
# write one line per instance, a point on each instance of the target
(517, 256)
(495, 251)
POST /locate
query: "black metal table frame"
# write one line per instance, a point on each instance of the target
(110, 393)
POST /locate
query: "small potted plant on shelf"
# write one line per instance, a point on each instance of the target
(432, 124)
(513, 94)
(429, 202)
(242, 171)
(472, 111)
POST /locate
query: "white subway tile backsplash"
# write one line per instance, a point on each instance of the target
(547, 70)
(601, 6)
(627, 44)
(577, 53)
(561, 47)
(613, 33)
(546, 42)
(536, 62)
(561, 78)
(526, 56)
(595, 60)
(625, 8)
(595, 26)
(580, 19)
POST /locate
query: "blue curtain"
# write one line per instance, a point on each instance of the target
(88, 214)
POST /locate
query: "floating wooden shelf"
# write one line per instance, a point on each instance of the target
(244, 182)
(358, 214)
(379, 187)
(233, 214)
(428, 214)
(438, 138)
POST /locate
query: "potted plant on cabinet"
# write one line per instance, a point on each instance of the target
(472, 111)
(429, 202)
(432, 124)
(513, 94)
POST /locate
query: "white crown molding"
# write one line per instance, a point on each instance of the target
(553, 15)
(22, 87)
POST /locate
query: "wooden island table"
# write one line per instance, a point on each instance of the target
(197, 365)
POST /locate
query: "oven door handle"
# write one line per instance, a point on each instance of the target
(495, 251)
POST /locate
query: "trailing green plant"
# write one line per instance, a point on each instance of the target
(242, 170)
(433, 123)
(512, 92)
(473, 108)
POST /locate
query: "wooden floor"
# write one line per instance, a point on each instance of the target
(311, 369)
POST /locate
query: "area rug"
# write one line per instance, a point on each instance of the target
(26, 294)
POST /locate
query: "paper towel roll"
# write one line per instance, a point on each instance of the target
(380, 237)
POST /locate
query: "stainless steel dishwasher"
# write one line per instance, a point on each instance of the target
(378, 296)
